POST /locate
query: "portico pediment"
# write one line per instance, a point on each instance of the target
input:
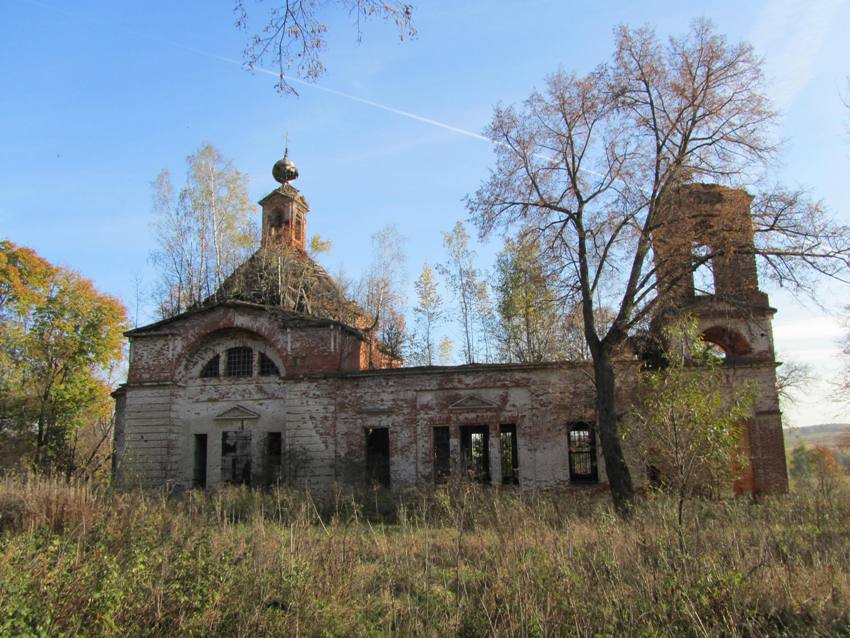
(237, 413)
(471, 403)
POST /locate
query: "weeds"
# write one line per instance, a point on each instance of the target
(459, 561)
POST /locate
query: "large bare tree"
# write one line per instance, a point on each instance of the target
(587, 163)
(291, 33)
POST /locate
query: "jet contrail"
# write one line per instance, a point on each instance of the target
(325, 89)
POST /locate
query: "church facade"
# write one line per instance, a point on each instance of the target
(278, 378)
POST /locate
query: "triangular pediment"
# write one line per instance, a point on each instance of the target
(237, 413)
(472, 402)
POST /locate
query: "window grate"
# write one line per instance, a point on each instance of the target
(268, 367)
(210, 369)
(240, 362)
(582, 453)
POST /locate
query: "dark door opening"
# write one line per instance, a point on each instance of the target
(442, 454)
(475, 452)
(582, 453)
(273, 458)
(510, 457)
(236, 458)
(378, 456)
(199, 478)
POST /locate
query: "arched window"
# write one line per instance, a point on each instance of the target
(235, 355)
(268, 367)
(240, 362)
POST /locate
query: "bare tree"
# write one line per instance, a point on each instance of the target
(590, 162)
(292, 34)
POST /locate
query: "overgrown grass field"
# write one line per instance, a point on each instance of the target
(458, 561)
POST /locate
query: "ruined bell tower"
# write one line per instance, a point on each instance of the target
(285, 209)
(705, 261)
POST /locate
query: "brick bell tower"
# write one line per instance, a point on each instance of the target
(711, 225)
(285, 209)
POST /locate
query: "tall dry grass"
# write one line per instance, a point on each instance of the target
(82, 561)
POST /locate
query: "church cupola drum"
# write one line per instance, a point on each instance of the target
(285, 209)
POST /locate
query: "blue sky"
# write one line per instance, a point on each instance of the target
(99, 96)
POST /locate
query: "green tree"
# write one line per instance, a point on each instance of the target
(590, 162)
(59, 338)
(203, 233)
(800, 467)
(687, 420)
(530, 320)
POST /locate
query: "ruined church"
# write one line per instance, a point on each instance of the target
(279, 378)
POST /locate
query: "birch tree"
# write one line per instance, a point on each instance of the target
(203, 232)
(380, 291)
(463, 279)
(428, 313)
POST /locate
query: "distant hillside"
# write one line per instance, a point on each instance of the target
(826, 434)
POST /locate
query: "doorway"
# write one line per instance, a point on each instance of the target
(475, 452)
(378, 456)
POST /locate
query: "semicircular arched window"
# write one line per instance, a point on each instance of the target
(268, 367)
(239, 362)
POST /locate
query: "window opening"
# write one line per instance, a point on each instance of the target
(236, 458)
(442, 454)
(582, 454)
(274, 456)
(240, 362)
(267, 366)
(475, 452)
(210, 369)
(298, 230)
(510, 459)
(703, 271)
(378, 456)
(199, 477)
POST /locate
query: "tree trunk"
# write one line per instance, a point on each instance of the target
(619, 478)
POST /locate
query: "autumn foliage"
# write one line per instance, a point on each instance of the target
(59, 340)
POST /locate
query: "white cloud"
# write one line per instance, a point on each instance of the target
(790, 33)
(817, 328)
